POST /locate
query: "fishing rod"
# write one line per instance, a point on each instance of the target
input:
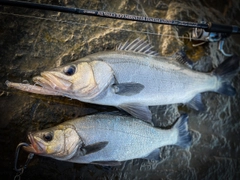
(208, 27)
(201, 32)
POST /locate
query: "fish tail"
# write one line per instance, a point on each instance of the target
(225, 72)
(184, 138)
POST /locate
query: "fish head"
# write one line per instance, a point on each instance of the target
(60, 142)
(83, 80)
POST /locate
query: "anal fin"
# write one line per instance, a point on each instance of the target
(107, 163)
(196, 103)
(153, 155)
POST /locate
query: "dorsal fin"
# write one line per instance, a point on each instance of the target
(182, 58)
(138, 45)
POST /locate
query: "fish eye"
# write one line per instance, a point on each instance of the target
(48, 137)
(69, 70)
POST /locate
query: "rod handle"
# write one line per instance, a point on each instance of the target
(220, 28)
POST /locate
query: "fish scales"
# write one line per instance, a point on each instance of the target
(131, 136)
(107, 139)
(166, 80)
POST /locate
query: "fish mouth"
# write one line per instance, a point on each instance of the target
(52, 81)
(49, 83)
(35, 146)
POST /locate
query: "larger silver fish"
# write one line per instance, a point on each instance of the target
(107, 139)
(132, 78)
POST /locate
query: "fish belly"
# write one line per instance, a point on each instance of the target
(127, 138)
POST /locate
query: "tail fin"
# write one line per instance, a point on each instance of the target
(184, 137)
(226, 71)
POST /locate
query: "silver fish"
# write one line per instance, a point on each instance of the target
(106, 139)
(132, 78)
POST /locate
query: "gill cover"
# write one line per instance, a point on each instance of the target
(85, 80)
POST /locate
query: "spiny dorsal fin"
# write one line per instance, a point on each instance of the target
(138, 45)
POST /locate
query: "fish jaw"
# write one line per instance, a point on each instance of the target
(32, 88)
(47, 84)
(66, 86)
(36, 146)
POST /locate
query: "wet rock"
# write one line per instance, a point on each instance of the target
(36, 40)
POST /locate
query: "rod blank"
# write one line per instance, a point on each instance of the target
(209, 27)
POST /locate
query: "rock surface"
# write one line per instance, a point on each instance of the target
(35, 40)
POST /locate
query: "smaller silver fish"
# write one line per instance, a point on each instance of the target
(106, 139)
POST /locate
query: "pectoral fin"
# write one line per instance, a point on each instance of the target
(139, 111)
(127, 89)
(84, 150)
